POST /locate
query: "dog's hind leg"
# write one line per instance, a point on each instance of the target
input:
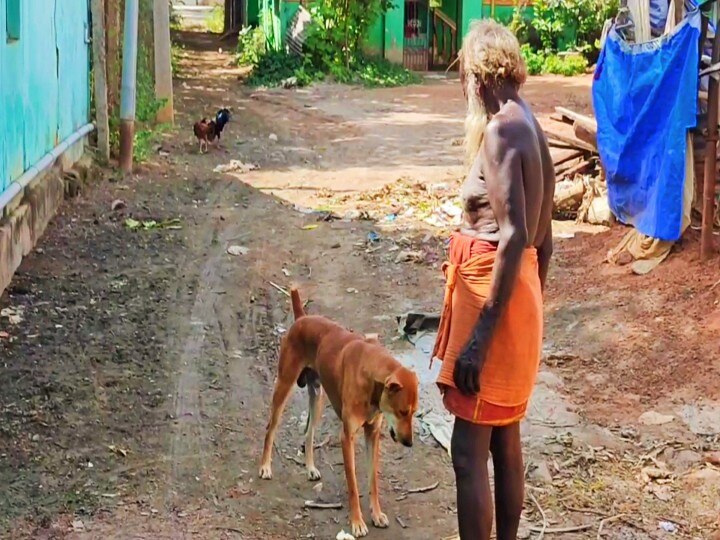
(288, 372)
(316, 402)
(372, 443)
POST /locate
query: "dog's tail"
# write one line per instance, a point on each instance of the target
(297, 304)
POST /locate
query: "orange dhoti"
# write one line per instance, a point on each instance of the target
(508, 374)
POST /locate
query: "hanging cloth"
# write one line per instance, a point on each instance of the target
(645, 100)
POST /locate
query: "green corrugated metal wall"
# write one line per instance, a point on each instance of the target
(44, 80)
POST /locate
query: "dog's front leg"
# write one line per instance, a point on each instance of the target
(372, 441)
(357, 523)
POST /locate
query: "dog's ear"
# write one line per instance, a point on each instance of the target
(393, 384)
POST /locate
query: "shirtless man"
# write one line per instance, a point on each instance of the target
(491, 332)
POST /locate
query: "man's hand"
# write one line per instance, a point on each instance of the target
(468, 365)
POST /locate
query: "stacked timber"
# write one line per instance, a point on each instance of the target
(580, 192)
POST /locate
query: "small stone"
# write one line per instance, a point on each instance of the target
(653, 418)
(273, 137)
(684, 460)
(541, 473)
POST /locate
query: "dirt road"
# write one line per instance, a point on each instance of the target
(134, 392)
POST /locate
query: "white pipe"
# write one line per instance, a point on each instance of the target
(44, 163)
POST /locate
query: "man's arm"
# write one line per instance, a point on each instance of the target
(502, 166)
(545, 251)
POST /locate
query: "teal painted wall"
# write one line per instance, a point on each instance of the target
(395, 32)
(44, 81)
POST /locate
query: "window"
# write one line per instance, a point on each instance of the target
(12, 19)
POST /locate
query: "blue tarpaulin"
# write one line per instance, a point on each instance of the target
(645, 100)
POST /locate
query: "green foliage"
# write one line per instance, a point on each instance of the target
(540, 62)
(533, 59)
(381, 73)
(332, 48)
(274, 67)
(567, 65)
(339, 26)
(251, 46)
(566, 24)
(216, 21)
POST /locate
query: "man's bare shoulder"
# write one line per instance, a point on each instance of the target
(508, 132)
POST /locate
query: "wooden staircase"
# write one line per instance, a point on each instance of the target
(444, 39)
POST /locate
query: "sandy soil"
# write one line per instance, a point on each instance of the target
(134, 392)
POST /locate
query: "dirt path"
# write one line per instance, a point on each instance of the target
(135, 390)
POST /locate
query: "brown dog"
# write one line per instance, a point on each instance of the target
(364, 384)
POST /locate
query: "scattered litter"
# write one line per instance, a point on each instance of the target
(273, 137)
(279, 288)
(78, 525)
(668, 527)
(117, 204)
(423, 489)
(310, 227)
(372, 236)
(352, 290)
(236, 166)
(439, 428)
(286, 272)
(4, 335)
(238, 250)
(290, 82)
(323, 506)
(317, 488)
(409, 256)
(400, 522)
(342, 535)
(411, 323)
(117, 450)
(149, 224)
(13, 315)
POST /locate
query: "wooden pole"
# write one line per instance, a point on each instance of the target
(708, 214)
(100, 78)
(113, 28)
(163, 61)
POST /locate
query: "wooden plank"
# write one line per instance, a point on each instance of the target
(571, 141)
(569, 157)
(560, 170)
(581, 167)
(574, 117)
(585, 134)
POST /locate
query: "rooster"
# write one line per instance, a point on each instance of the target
(206, 131)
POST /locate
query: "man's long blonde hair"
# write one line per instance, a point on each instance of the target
(490, 56)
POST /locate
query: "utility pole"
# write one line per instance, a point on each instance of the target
(163, 61)
(129, 75)
(100, 78)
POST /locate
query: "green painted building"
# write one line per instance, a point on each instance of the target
(422, 35)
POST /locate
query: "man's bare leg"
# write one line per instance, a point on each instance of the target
(509, 479)
(470, 448)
